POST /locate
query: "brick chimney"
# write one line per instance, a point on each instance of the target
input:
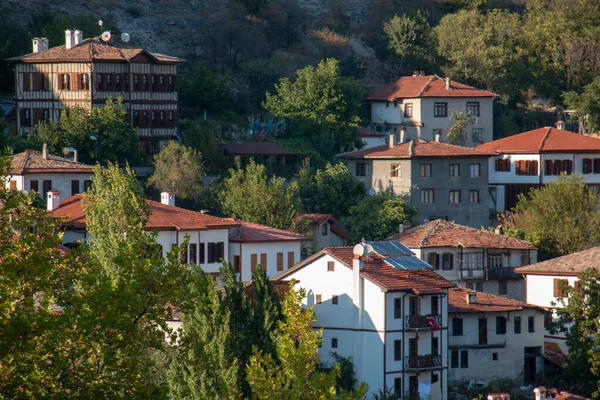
(53, 200)
(69, 39)
(167, 198)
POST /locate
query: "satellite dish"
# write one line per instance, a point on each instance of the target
(371, 192)
(66, 150)
(368, 250)
(125, 37)
(106, 36)
(359, 250)
(100, 22)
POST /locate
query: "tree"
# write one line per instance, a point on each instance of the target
(332, 190)
(578, 317)
(100, 134)
(377, 217)
(294, 375)
(545, 215)
(249, 195)
(178, 168)
(203, 90)
(586, 106)
(461, 131)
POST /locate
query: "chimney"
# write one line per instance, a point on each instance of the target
(472, 298)
(415, 73)
(448, 86)
(69, 39)
(498, 230)
(45, 151)
(560, 125)
(39, 44)
(438, 135)
(53, 200)
(78, 37)
(411, 148)
(167, 198)
(402, 134)
(421, 73)
(392, 139)
(75, 156)
(540, 393)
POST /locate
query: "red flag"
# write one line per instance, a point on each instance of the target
(432, 324)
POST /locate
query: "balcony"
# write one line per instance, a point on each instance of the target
(502, 273)
(472, 273)
(420, 321)
(428, 361)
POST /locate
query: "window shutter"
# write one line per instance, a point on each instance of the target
(61, 81)
(77, 82)
(290, 259)
(279, 261)
(220, 250)
(26, 81)
(13, 185)
(74, 187)
(36, 81)
(253, 262)
(211, 253)
(556, 288)
(548, 168)
(263, 261)
(577, 286)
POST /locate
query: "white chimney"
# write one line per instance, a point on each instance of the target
(448, 86)
(539, 395)
(39, 44)
(78, 37)
(75, 156)
(69, 39)
(498, 230)
(45, 151)
(415, 73)
(402, 135)
(392, 139)
(167, 198)
(53, 200)
(560, 125)
(438, 135)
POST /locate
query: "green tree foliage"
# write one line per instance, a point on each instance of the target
(294, 374)
(578, 318)
(332, 190)
(100, 135)
(248, 194)
(377, 217)
(178, 168)
(14, 43)
(484, 48)
(586, 106)
(461, 131)
(204, 367)
(254, 6)
(409, 37)
(202, 137)
(202, 89)
(548, 213)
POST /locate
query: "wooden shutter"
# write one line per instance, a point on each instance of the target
(13, 184)
(47, 186)
(26, 81)
(290, 259)
(263, 261)
(86, 185)
(587, 165)
(61, 81)
(498, 165)
(253, 262)
(279, 261)
(36, 81)
(330, 265)
(533, 167)
(74, 187)
(577, 286)
(319, 299)
(558, 292)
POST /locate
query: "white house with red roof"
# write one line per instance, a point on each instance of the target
(370, 137)
(493, 337)
(325, 231)
(386, 309)
(534, 158)
(472, 258)
(441, 180)
(38, 171)
(421, 104)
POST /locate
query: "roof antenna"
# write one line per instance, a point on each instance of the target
(100, 23)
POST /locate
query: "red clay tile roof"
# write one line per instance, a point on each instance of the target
(257, 149)
(366, 132)
(320, 219)
(382, 274)
(248, 232)
(569, 265)
(554, 354)
(90, 50)
(543, 140)
(457, 302)
(556, 395)
(411, 87)
(415, 148)
(441, 233)
(162, 218)
(31, 162)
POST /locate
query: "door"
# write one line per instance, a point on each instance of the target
(482, 330)
(414, 306)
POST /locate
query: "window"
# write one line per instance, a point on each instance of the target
(330, 265)
(398, 387)
(434, 377)
(435, 305)
(334, 343)
(324, 229)
(587, 165)
(473, 108)
(74, 187)
(472, 260)
(236, 264)
(464, 359)
(47, 185)
(558, 290)
(478, 286)
(474, 196)
(396, 171)
(86, 185)
(433, 259)
(397, 350)
(64, 82)
(408, 110)
(454, 170)
(448, 261)
(397, 308)
(503, 165)
(425, 170)
(457, 326)
(527, 167)
(194, 254)
(494, 356)
(502, 287)
(440, 110)
(556, 167)
(202, 248)
(531, 324)
(474, 170)
(414, 305)
(318, 299)
(290, 262)
(517, 322)
(477, 134)
(455, 196)
(596, 166)
(454, 359)
(500, 325)
(413, 385)
(361, 169)
(427, 196)
(495, 260)
(279, 261)
(34, 186)
(25, 117)
(413, 347)
(435, 348)
(334, 299)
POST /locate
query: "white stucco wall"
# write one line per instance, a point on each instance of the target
(245, 250)
(320, 241)
(370, 141)
(60, 182)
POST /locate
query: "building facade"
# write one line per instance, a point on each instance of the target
(392, 320)
(441, 180)
(87, 73)
(472, 258)
(423, 104)
(325, 232)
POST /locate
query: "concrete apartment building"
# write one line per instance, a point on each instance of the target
(442, 181)
(472, 258)
(87, 72)
(421, 105)
(386, 309)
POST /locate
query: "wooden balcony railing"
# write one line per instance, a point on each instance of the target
(420, 321)
(428, 361)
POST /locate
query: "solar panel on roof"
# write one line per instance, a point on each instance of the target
(390, 248)
(407, 263)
